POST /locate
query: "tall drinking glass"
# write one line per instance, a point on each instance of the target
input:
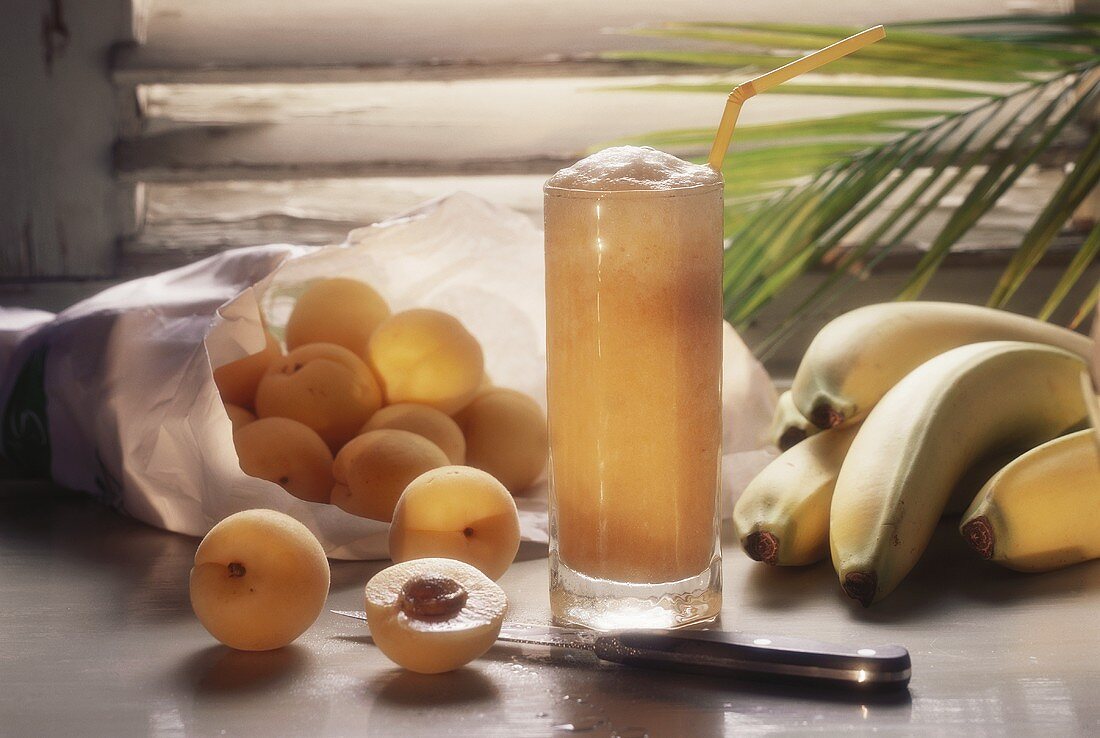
(634, 352)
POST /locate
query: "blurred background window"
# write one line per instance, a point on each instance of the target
(958, 159)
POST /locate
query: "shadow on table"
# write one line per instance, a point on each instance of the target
(948, 578)
(220, 670)
(143, 571)
(465, 686)
(353, 574)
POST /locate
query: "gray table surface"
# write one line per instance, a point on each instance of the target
(97, 638)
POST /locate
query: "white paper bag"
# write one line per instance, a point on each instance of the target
(115, 396)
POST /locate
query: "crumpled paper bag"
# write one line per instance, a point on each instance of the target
(115, 396)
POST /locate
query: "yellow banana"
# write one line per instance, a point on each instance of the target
(860, 355)
(782, 517)
(789, 426)
(1042, 511)
(919, 440)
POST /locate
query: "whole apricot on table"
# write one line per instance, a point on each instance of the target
(456, 512)
(506, 436)
(289, 453)
(339, 310)
(238, 416)
(434, 615)
(323, 385)
(427, 357)
(435, 425)
(260, 580)
(237, 381)
(373, 469)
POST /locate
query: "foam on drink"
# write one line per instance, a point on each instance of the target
(633, 168)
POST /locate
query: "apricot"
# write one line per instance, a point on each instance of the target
(485, 384)
(427, 357)
(237, 381)
(373, 469)
(436, 426)
(323, 385)
(506, 436)
(434, 615)
(289, 453)
(260, 580)
(457, 512)
(341, 311)
(238, 416)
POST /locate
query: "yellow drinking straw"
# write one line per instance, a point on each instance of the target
(765, 82)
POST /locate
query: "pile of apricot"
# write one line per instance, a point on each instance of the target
(376, 398)
(388, 416)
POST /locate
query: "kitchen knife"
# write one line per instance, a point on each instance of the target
(791, 660)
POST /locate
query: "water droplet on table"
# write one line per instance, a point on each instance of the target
(581, 724)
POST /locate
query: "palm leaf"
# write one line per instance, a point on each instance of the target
(1086, 307)
(901, 220)
(839, 215)
(1081, 261)
(1007, 167)
(1038, 133)
(908, 53)
(914, 92)
(965, 142)
(1074, 188)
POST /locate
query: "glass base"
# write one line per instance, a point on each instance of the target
(602, 604)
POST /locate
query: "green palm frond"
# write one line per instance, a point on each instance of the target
(1076, 269)
(975, 156)
(1090, 302)
(840, 194)
(909, 53)
(916, 92)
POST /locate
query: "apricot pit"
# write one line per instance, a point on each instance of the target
(434, 615)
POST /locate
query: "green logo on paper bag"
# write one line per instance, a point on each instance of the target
(25, 434)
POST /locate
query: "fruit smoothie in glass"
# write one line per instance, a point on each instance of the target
(634, 353)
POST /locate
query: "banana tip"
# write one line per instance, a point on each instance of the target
(762, 546)
(979, 534)
(826, 417)
(791, 437)
(861, 586)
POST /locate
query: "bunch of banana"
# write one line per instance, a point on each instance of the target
(789, 426)
(923, 409)
(919, 440)
(782, 517)
(860, 355)
(1042, 511)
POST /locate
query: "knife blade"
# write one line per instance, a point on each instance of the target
(725, 653)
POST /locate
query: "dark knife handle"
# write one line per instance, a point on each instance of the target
(752, 658)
